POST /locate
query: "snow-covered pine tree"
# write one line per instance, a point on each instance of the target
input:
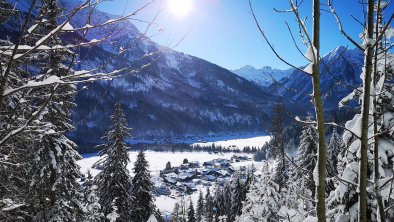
(306, 158)
(248, 182)
(281, 171)
(218, 203)
(13, 175)
(114, 180)
(91, 201)
(384, 143)
(208, 205)
(54, 192)
(168, 165)
(276, 132)
(182, 211)
(191, 217)
(300, 187)
(86, 186)
(222, 202)
(226, 211)
(263, 200)
(280, 175)
(36, 97)
(200, 212)
(297, 199)
(369, 135)
(142, 188)
(335, 147)
(236, 199)
(383, 115)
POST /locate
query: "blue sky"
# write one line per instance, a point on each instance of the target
(223, 31)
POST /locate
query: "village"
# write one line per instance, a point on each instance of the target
(177, 181)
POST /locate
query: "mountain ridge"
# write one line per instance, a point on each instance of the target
(263, 76)
(182, 95)
(340, 74)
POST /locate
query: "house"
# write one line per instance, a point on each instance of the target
(194, 164)
(162, 190)
(172, 175)
(180, 188)
(239, 158)
(206, 183)
(230, 169)
(211, 171)
(201, 171)
(209, 178)
(225, 163)
(187, 175)
(167, 171)
(224, 173)
(185, 166)
(216, 165)
(196, 181)
(204, 171)
(209, 163)
(169, 180)
(190, 187)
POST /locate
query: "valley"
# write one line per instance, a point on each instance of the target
(166, 193)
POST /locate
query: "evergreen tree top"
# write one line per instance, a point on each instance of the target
(141, 165)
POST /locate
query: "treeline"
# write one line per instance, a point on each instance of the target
(184, 147)
(178, 147)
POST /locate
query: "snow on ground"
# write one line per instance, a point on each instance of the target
(157, 162)
(240, 139)
(255, 141)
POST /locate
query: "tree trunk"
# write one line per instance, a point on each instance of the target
(379, 200)
(322, 153)
(363, 167)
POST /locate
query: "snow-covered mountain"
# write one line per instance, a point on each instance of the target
(264, 76)
(176, 95)
(179, 94)
(340, 73)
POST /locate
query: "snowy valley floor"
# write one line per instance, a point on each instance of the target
(157, 161)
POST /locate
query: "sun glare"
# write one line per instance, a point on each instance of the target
(180, 8)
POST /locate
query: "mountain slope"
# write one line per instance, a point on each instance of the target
(340, 73)
(177, 95)
(264, 76)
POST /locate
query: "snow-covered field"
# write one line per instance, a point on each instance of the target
(157, 162)
(240, 140)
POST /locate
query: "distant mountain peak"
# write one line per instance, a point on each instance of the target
(263, 76)
(248, 67)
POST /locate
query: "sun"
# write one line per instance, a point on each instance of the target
(180, 8)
